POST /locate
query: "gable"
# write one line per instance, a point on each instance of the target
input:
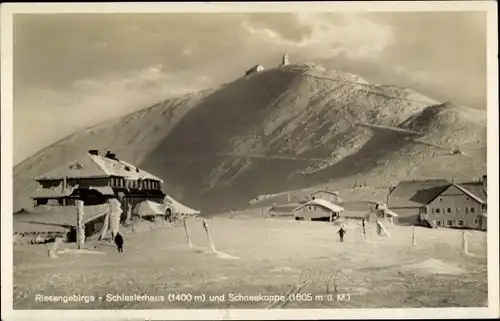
(476, 189)
(455, 190)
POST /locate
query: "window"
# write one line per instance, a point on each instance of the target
(483, 207)
(437, 210)
(466, 210)
(432, 211)
(448, 223)
(472, 209)
(466, 198)
(440, 199)
(448, 210)
(460, 223)
(475, 221)
(438, 223)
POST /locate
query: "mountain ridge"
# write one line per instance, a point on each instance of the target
(218, 148)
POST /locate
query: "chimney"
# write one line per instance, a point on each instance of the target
(93, 152)
(110, 155)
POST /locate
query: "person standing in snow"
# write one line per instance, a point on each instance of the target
(119, 242)
(341, 234)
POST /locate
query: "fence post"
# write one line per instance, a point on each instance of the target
(465, 245)
(414, 239)
(184, 221)
(115, 213)
(80, 228)
(211, 243)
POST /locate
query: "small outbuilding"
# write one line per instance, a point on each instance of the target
(254, 69)
(317, 210)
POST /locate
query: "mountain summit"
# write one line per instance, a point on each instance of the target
(279, 129)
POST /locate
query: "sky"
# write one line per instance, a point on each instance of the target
(75, 70)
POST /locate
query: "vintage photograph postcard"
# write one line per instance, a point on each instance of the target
(249, 160)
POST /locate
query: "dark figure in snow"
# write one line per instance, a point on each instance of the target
(341, 233)
(364, 226)
(119, 242)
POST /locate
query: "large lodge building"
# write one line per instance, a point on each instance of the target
(440, 203)
(96, 178)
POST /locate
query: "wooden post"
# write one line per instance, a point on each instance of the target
(80, 228)
(184, 221)
(211, 243)
(414, 239)
(288, 195)
(114, 216)
(129, 213)
(465, 245)
(331, 217)
(105, 227)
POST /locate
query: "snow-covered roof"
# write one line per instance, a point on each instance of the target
(323, 203)
(56, 191)
(93, 166)
(178, 207)
(104, 190)
(150, 208)
(57, 218)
